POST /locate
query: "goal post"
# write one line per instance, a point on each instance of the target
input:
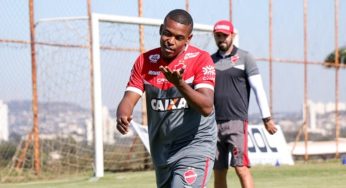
(141, 21)
(97, 98)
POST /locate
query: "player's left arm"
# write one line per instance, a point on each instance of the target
(256, 85)
(261, 98)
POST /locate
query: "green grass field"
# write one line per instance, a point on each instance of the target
(330, 174)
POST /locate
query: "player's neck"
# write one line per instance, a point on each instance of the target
(169, 60)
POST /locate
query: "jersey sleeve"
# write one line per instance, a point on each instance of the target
(250, 65)
(136, 83)
(204, 72)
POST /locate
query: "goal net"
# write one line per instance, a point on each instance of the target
(66, 129)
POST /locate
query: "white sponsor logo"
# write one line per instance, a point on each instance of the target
(264, 148)
(259, 141)
(154, 58)
(224, 27)
(191, 55)
(162, 105)
(209, 70)
(161, 80)
(155, 73)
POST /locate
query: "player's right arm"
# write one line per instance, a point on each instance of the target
(125, 109)
(134, 91)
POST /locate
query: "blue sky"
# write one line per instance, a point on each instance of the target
(249, 17)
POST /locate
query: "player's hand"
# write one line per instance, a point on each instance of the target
(123, 123)
(172, 76)
(270, 126)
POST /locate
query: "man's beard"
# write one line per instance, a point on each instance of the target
(223, 46)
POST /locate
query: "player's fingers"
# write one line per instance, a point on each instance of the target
(270, 129)
(273, 130)
(164, 69)
(123, 124)
(169, 71)
(182, 70)
(125, 120)
(175, 73)
(178, 73)
(122, 129)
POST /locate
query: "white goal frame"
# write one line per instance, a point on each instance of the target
(96, 18)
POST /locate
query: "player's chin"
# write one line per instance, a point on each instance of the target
(223, 47)
(168, 56)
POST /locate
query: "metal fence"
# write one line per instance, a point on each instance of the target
(290, 39)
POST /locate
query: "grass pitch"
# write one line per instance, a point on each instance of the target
(331, 174)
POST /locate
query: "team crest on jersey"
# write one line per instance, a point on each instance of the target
(190, 176)
(181, 65)
(163, 105)
(235, 58)
(208, 72)
(190, 55)
(154, 58)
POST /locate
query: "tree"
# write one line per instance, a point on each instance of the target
(330, 59)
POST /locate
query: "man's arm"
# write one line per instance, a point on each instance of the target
(201, 99)
(257, 86)
(125, 109)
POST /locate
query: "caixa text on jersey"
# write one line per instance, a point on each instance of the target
(168, 104)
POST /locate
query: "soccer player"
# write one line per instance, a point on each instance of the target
(236, 73)
(178, 80)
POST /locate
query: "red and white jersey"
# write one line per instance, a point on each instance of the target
(175, 129)
(199, 70)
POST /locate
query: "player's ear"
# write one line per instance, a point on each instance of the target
(161, 29)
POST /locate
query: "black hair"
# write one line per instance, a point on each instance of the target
(180, 16)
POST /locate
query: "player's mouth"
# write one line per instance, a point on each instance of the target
(222, 43)
(167, 49)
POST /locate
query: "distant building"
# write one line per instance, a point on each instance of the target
(322, 108)
(4, 133)
(108, 126)
(319, 108)
(89, 131)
